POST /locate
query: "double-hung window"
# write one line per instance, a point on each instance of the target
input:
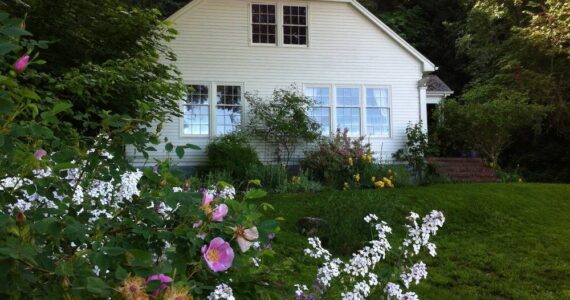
(295, 25)
(378, 112)
(228, 108)
(196, 111)
(263, 24)
(321, 111)
(348, 109)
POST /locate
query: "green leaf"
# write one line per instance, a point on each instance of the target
(113, 251)
(60, 106)
(180, 152)
(121, 273)
(168, 147)
(6, 48)
(192, 146)
(14, 31)
(255, 194)
(97, 286)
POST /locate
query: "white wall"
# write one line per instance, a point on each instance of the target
(344, 48)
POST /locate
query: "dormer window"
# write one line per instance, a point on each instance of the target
(294, 25)
(264, 24)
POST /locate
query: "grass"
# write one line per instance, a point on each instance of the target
(500, 241)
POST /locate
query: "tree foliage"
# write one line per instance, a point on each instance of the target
(282, 121)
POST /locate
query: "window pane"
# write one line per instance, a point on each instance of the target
(378, 121)
(198, 94)
(295, 25)
(196, 119)
(227, 119)
(228, 95)
(349, 118)
(263, 27)
(322, 116)
(377, 97)
(319, 95)
(347, 97)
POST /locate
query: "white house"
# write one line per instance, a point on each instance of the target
(363, 76)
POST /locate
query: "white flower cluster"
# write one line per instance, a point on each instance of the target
(228, 192)
(419, 235)
(105, 196)
(300, 289)
(416, 273)
(317, 250)
(359, 269)
(222, 291)
(394, 291)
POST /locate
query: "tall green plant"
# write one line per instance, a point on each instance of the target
(283, 121)
(416, 148)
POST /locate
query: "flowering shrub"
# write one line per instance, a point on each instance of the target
(367, 271)
(78, 222)
(338, 159)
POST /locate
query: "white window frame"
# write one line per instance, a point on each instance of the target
(214, 105)
(389, 107)
(183, 109)
(330, 106)
(250, 23)
(359, 106)
(279, 15)
(282, 23)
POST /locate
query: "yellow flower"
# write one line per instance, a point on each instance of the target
(134, 288)
(177, 293)
(373, 179)
(387, 182)
(350, 162)
(345, 186)
(296, 180)
(379, 184)
(356, 177)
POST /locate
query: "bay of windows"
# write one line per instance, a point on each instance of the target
(363, 110)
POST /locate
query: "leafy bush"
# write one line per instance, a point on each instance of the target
(233, 154)
(489, 118)
(282, 121)
(77, 222)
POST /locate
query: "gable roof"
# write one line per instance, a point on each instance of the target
(435, 85)
(427, 65)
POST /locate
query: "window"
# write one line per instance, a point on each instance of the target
(228, 108)
(321, 111)
(196, 111)
(264, 24)
(294, 25)
(377, 112)
(348, 110)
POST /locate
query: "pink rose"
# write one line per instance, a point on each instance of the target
(163, 280)
(22, 63)
(207, 199)
(219, 213)
(40, 153)
(219, 255)
(244, 237)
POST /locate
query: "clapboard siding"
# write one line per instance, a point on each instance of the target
(345, 47)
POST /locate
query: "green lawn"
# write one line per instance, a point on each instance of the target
(500, 241)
